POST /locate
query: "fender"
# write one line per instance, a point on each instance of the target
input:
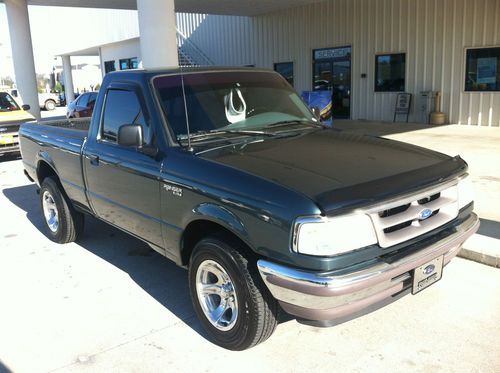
(43, 156)
(221, 215)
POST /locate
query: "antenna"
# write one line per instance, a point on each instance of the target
(190, 149)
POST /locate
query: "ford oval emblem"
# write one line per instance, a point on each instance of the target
(424, 214)
(429, 269)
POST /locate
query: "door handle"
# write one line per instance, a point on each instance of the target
(94, 160)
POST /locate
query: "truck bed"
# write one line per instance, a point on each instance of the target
(78, 124)
(59, 143)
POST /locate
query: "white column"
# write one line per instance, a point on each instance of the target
(157, 33)
(69, 91)
(22, 53)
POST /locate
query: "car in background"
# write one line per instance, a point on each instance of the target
(11, 117)
(83, 106)
(48, 101)
(62, 98)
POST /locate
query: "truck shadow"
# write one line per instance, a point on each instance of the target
(155, 274)
(10, 157)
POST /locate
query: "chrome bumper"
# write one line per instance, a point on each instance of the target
(315, 297)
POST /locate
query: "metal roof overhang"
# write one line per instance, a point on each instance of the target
(223, 7)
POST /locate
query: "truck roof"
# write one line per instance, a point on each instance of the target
(190, 69)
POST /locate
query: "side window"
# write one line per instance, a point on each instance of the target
(92, 98)
(122, 107)
(83, 100)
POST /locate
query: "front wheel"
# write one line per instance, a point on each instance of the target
(229, 297)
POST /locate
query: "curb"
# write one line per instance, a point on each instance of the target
(482, 249)
(483, 258)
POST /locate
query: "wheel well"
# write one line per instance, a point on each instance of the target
(43, 171)
(199, 229)
(50, 100)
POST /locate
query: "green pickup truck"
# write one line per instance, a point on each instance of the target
(229, 174)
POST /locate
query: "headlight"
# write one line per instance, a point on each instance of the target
(331, 236)
(465, 192)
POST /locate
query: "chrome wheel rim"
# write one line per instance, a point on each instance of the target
(50, 211)
(217, 295)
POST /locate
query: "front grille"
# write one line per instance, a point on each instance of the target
(13, 144)
(403, 220)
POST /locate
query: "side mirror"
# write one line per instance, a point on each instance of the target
(130, 135)
(26, 107)
(317, 112)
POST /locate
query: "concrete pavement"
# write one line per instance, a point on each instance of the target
(480, 147)
(109, 303)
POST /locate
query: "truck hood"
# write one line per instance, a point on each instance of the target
(338, 170)
(15, 117)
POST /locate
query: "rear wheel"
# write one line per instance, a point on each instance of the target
(229, 297)
(63, 223)
(50, 105)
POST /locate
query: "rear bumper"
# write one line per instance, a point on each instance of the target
(318, 297)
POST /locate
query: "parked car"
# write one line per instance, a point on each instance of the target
(11, 116)
(229, 174)
(48, 101)
(62, 98)
(83, 106)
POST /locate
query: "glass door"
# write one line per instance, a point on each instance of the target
(332, 72)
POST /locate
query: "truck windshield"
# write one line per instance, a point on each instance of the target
(7, 103)
(233, 102)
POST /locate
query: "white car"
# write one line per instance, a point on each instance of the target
(47, 101)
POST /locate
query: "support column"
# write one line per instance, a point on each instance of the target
(69, 91)
(22, 53)
(157, 31)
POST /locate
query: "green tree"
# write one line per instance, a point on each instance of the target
(58, 88)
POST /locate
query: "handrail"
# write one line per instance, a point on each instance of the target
(191, 51)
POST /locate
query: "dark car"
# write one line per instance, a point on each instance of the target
(230, 175)
(83, 106)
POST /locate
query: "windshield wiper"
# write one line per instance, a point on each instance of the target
(207, 134)
(282, 123)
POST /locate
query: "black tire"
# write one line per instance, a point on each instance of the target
(50, 105)
(257, 309)
(70, 222)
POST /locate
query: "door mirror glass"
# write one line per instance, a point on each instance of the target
(26, 107)
(130, 135)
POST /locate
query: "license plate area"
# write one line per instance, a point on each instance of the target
(6, 139)
(427, 274)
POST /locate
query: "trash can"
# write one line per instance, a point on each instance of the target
(426, 105)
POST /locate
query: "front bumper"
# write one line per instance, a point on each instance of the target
(319, 297)
(9, 148)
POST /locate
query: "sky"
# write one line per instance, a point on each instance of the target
(56, 29)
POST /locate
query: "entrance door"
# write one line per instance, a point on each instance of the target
(332, 72)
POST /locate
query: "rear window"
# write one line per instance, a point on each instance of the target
(7, 103)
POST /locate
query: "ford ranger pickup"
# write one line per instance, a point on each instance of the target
(229, 174)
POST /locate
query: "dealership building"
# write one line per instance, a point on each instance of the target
(364, 52)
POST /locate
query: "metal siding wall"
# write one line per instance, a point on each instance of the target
(432, 33)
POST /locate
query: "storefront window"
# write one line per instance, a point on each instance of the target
(109, 66)
(482, 71)
(390, 72)
(129, 63)
(286, 70)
